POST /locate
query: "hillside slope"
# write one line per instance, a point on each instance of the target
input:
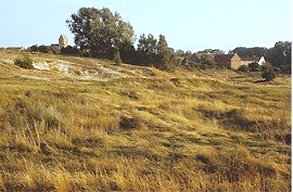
(82, 124)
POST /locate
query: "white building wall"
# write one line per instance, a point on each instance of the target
(261, 61)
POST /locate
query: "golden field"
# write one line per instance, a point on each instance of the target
(78, 124)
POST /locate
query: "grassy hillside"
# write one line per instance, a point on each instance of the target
(78, 124)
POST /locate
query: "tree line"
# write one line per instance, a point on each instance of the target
(100, 33)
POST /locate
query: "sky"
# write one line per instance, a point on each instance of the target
(187, 24)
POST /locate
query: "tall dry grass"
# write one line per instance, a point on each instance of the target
(145, 134)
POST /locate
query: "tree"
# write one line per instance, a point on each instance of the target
(128, 53)
(163, 53)
(99, 32)
(212, 51)
(280, 56)
(146, 49)
(157, 53)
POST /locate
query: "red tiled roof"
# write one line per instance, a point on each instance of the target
(223, 58)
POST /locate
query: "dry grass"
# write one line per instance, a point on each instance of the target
(180, 131)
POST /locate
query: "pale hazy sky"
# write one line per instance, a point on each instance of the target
(187, 24)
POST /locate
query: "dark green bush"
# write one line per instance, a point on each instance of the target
(69, 50)
(269, 67)
(268, 75)
(24, 61)
(243, 68)
(43, 49)
(33, 48)
(254, 67)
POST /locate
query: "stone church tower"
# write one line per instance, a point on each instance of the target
(63, 41)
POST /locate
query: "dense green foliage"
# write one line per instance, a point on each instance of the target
(69, 50)
(163, 53)
(151, 51)
(98, 32)
(280, 56)
(146, 49)
(268, 75)
(254, 67)
(44, 49)
(128, 53)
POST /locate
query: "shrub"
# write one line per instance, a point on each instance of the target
(69, 50)
(54, 50)
(254, 67)
(43, 49)
(24, 61)
(268, 75)
(243, 68)
(128, 123)
(34, 48)
(277, 70)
